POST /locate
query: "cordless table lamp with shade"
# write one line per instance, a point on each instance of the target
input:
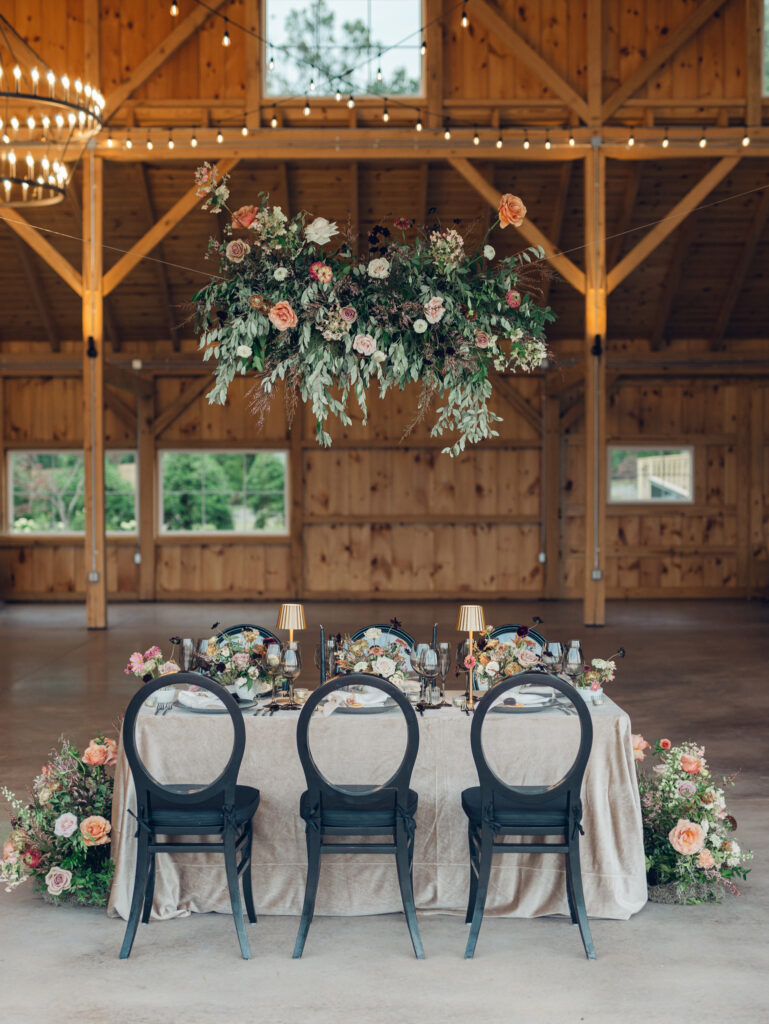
(291, 617)
(471, 620)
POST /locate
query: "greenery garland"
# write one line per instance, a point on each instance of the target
(331, 324)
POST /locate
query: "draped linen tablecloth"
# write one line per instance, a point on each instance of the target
(191, 747)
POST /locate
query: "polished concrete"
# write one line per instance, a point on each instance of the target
(693, 670)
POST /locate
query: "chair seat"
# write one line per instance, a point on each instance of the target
(170, 815)
(377, 811)
(510, 813)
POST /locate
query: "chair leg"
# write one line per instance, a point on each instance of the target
(570, 891)
(579, 899)
(484, 873)
(248, 892)
(473, 874)
(403, 860)
(140, 882)
(149, 891)
(233, 883)
(310, 890)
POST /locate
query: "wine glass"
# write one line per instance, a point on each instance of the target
(291, 665)
(552, 657)
(414, 656)
(444, 664)
(326, 657)
(272, 660)
(428, 668)
(573, 662)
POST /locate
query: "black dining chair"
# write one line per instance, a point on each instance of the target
(394, 631)
(243, 627)
(497, 809)
(385, 810)
(220, 808)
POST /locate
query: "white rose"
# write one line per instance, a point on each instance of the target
(242, 681)
(253, 672)
(359, 667)
(492, 668)
(373, 633)
(280, 274)
(379, 357)
(383, 667)
(244, 351)
(379, 268)
(434, 309)
(320, 231)
(420, 326)
(489, 252)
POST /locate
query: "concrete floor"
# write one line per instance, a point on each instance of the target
(694, 670)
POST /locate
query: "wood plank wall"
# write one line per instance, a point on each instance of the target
(375, 515)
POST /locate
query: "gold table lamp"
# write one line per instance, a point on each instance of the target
(291, 617)
(471, 620)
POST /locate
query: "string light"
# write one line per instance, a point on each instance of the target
(219, 136)
(746, 139)
(149, 142)
(306, 110)
(547, 141)
(109, 141)
(338, 95)
(274, 118)
(128, 142)
(464, 20)
(271, 62)
(244, 131)
(194, 141)
(312, 85)
(476, 138)
(385, 112)
(631, 139)
(499, 142)
(226, 41)
(526, 143)
(446, 132)
(171, 143)
(703, 140)
(379, 72)
(350, 101)
(419, 126)
(666, 140)
(572, 141)
(174, 10)
(423, 47)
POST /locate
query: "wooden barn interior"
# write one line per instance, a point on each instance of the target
(637, 135)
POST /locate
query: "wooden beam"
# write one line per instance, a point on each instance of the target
(551, 495)
(670, 283)
(743, 265)
(38, 296)
(572, 413)
(253, 47)
(754, 29)
(161, 270)
(433, 63)
(127, 380)
(505, 35)
(148, 470)
(595, 390)
(556, 221)
(35, 240)
(515, 399)
(111, 328)
(194, 389)
(630, 194)
(424, 191)
(528, 229)
(296, 504)
(93, 395)
(673, 42)
(157, 232)
(595, 43)
(355, 207)
(157, 57)
(121, 409)
(92, 43)
(682, 209)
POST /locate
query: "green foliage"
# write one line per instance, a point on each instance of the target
(195, 490)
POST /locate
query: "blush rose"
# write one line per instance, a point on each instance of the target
(511, 211)
(282, 316)
(245, 216)
(690, 764)
(364, 344)
(687, 837)
(58, 880)
(237, 250)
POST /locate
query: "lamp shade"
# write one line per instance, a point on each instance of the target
(471, 619)
(291, 616)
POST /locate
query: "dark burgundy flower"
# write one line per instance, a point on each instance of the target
(221, 666)
(522, 631)
(620, 653)
(396, 623)
(537, 621)
(731, 823)
(147, 678)
(214, 625)
(175, 640)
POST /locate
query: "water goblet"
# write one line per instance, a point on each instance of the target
(414, 656)
(444, 664)
(573, 662)
(272, 660)
(429, 669)
(291, 665)
(552, 657)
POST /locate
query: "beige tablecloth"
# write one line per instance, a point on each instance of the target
(182, 746)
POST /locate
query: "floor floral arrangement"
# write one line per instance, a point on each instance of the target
(294, 303)
(691, 852)
(61, 837)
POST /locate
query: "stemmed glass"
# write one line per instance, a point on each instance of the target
(272, 664)
(444, 664)
(552, 657)
(573, 662)
(291, 665)
(429, 669)
(327, 657)
(414, 655)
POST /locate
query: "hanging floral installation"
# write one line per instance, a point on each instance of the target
(293, 303)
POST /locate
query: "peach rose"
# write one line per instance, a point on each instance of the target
(9, 850)
(111, 746)
(511, 211)
(245, 216)
(95, 830)
(691, 764)
(95, 753)
(705, 860)
(687, 837)
(282, 316)
(639, 745)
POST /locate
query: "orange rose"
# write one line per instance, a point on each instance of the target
(639, 745)
(511, 211)
(95, 753)
(95, 830)
(282, 316)
(111, 746)
(690, 764)
(705, 860)
(686, 837)
(245, 216)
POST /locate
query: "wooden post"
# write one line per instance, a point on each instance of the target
(253, 44)
(147, 497)
(595, 387)
(93, 394)
(551, 490)
(296, 504)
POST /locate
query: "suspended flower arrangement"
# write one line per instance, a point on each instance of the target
(293, 303)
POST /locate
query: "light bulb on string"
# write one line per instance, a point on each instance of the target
(379, 72)
(631, 138)
(423, 47)
(274, 118)
(312, 85)
(746, 139)
(171, 143)
(271, 62)
(547, 142)
(174, 9)
(476, 138)
(446, 132)
(665, 140)
(306, 110)
(109, 141)
(350, 101)
(338, 95)
(419, 126)
(219, 136)
(226, 41)
(526, 143)
(244, 131)
(194, 141)
(703, 140)
(128, 142)
(499, 142)
(464, 21)
(149, 141)
(385, 113)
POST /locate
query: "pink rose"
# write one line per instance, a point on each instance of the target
(237, 250)
(511, 211)
(348, 314)
(665, 744)
(482, 339)
(639, 745)
(527, 658)
(513, 298)
(95, 753)
(168, 668)
(705, 860)
(95, 830)
(690, 764)
(111, 746)
(32, 857)
(434, 310)
(58, 880)
(320, 271)
(152, 652)
(9, 850)
(686, 837)
(686, 788)
(282, 316)
(245, 216)
(65, 825)
(364, 344)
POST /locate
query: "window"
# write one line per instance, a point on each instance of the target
(213, 492)
(765, 89)
(47, 492)
(651, 474)
(345, 41)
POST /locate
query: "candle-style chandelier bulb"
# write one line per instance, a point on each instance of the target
(174, 9)
(464, 21)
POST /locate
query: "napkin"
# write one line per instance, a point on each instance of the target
(198, 699)
(529, 698)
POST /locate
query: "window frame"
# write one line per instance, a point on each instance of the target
(163, 534)
(361, 99)
(10, 454)
(650, 502)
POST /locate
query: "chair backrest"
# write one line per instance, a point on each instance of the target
(318, 784)
(510, 632)
(571, 782)
(244, 628)
(394, 631)
(147, 787)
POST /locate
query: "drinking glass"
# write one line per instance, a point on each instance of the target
(552, 657)
(414, 656)
(429, 669)
(444, 664)
(291, 665)
(272, 660)
(329, 655)
(573, 662)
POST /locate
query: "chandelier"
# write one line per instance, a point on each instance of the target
(45, 120)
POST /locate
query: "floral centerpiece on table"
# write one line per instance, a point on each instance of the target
(377, 653)
(293, 303)
(601, 672)
(61, 837)
(495, 660)
(691, 852)
(236, 661)
(151, 664)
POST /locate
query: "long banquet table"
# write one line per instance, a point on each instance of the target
(185, 746)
